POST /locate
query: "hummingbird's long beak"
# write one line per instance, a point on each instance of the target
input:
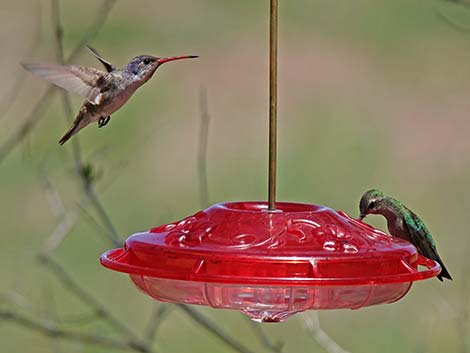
(362, 216)
(173, 58)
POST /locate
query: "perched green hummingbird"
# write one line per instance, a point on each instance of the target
(402, 223)
(105, 92)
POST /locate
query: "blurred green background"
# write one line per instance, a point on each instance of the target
(373, 93)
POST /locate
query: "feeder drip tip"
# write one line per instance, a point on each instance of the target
(272, 104)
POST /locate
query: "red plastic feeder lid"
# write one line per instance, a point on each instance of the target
(270, 264)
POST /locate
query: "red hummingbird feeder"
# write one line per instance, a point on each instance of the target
(270, 260)
(270, 265)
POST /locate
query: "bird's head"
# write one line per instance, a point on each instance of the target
(144, 66)
(372, 202)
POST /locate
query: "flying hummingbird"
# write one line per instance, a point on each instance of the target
(105, 92)
(402, 223)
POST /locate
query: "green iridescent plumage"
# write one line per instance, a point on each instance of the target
(402, 223)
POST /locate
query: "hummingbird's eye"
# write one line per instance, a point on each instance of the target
(371, 205)
(147, 61)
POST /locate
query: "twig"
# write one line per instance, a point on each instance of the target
(204, 195)
(100, 310)
(463, 316)
(85, 177)
(59, 33)
(453, 23)
(36, 113)
(213, 328)
(55, 202)
(159, 314)
(60, 232)
(450, 21)
(50, 330)
(263, 338)
(312, 323)
(460, 2)
(8, 100)
(50, 245)
(111, 230)
(91, 220)
(30, 121)
(49, 314)
(79, 319)
(16, 299)
(202, 154)
(69, 283)
(103, 13)
(133, 342)
(67, 219)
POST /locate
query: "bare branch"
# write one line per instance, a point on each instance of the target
(159, 314)
(67, 219)
(55, 202)
(48, 314)
(204, 194)
(83, 171)
(263, 338)
(36, 113)
(98, 310)
(60, 232)
(50, 330)
(91, 220)
(458, 26)
(312, 323)
(464, 325)
(79, 319)
(463, 3)
(8, 100)
(16, 299)
(103, 13)
(69, 283)
(87, 178)
(59, 33)
(111, 230)
(213, 328)
(202, 154)
(30, 121)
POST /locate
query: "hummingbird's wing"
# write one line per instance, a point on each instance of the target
(421, 238)
(84, 81)
(109, 67)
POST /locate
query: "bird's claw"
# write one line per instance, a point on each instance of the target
(103, 121)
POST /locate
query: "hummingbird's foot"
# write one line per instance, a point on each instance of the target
(103, 121)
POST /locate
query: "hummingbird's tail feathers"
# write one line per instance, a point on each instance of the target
(69, 134)
(420, 237)
(435, 256)
(431, 252)
(79, 123)
(444, 273)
